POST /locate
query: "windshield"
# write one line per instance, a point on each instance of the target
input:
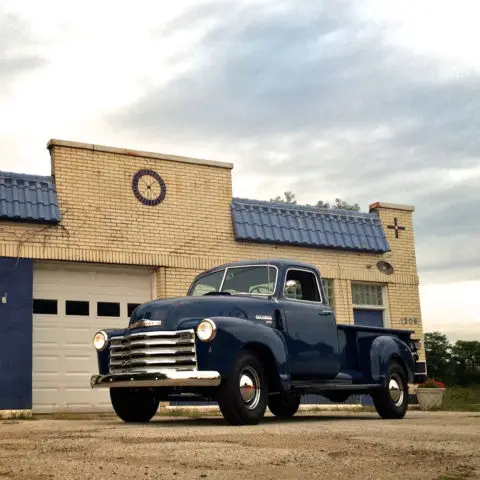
(251, 280)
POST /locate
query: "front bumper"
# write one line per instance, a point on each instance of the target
(163, 378)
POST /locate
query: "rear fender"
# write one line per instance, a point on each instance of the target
(384, 349)
(235, 334)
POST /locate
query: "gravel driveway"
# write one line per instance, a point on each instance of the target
(334, 445)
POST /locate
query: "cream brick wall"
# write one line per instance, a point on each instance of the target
(178, 280)
(190, 231)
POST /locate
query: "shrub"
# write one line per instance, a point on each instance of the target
(462, 399)
(431, 383)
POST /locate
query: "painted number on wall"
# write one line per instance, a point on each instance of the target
(409, 321)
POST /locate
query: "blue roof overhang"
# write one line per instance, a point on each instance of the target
(287, 224)
(28, 198)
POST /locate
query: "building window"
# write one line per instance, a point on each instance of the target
(108, 309)
(369, 306)
(45, 307)
(76, 307)
(328, 289)
(368, 295)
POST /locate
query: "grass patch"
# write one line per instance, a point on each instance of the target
(186, 412)
(74, 416)
(10, 415)
(461, 399)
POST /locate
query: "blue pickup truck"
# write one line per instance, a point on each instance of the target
(250, 335)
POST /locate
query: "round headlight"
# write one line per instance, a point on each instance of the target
(100, 341)
(206, 330)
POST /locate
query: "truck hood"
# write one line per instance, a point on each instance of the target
(185, 312)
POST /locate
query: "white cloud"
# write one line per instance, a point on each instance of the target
(452, 308)
(98, 57)
(444, 29)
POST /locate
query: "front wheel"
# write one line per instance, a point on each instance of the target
(284, 405)
(134, 405)
(242, 396)
(392, 400)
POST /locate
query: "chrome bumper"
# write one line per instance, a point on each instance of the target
(164, 378)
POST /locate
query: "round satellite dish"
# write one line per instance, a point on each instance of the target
(385, 267)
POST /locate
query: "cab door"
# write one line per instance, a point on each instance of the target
(311, 331)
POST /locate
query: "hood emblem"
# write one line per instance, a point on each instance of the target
(146, 323)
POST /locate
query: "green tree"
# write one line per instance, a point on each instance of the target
(438, 355)
(465, 366)
(289, 197)
(339, 205)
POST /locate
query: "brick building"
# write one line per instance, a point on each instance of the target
(112, 228)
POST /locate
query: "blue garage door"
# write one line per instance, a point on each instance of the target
(16, 281)
(371, 318)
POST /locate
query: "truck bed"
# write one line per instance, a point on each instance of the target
(357, 372)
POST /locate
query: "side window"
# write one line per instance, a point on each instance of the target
(301, 285)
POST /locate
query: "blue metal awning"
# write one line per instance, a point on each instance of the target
(28, 198)
(268, 222)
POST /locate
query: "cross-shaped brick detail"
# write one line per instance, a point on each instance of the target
(395, 227)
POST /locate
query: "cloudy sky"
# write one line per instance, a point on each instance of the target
(365, 100)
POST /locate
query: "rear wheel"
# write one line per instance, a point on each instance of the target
(242, 396)
(392, 400)
(284, 405)
(133, 405)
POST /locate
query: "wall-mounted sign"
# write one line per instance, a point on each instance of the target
(410, 321)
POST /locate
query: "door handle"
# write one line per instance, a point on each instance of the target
(325, 312)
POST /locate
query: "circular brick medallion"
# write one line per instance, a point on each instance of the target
(149, 188)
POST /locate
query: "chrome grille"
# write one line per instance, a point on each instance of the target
(153, 351)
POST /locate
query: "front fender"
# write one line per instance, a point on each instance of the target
(384, 349)
(103, 357)
(233, 334)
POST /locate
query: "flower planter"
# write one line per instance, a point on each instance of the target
(429, 398)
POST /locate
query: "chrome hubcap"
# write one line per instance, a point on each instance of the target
(395, 389)
(250, 387)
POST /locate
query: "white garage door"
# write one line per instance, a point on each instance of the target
(72, 302)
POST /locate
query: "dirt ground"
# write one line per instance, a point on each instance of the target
(321, 445)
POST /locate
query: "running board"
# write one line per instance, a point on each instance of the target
(323, 387)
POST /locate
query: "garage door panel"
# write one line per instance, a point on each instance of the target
(74, 337)
(76, 364)
(63, 355)
(42, 398)
(45, 363)
(44, 333)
